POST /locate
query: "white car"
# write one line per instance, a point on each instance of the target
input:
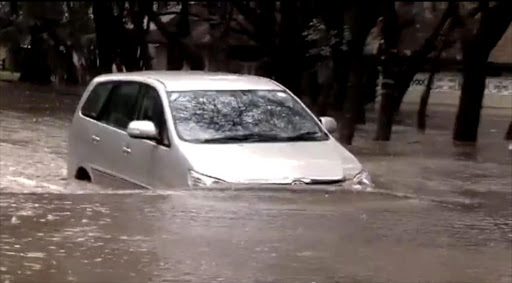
(164, 129)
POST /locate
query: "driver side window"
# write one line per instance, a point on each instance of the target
(153, 110)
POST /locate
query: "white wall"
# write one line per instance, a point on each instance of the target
(446, 90)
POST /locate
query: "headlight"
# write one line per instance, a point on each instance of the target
(199, 180)
(363, 179)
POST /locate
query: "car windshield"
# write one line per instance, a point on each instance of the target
(212, 116)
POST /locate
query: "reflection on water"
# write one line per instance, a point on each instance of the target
(466, 154)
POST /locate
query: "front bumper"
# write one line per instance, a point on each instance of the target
(361, 181)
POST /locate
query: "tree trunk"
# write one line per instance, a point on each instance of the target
(175, 60)
(335, 22)
(14, 9)
(403, 82)
(325, 93)
(352, 105)
(147, 61)
(288, 58)
(472, 93)
(347, 56)
(401, 75)
(508, 135)
(391, 34)
(361, 22)
(493, 25)
(371, 78)
(387, 102)
(178, 51)
(35, 66)
(190, 53)
(127, 41)
(434, 68)
(68, 65)
(103, 21)
(419, 57)
(361, 114)
(71, 68)
(368, 85)
(183, 25)
(422, 110)
(138, 13)
(267, 23)
(341, 78)
(192, 56)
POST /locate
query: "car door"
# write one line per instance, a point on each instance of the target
(119, 110)
(137, 153)
(85, 147)
(168, 167)
(148, 153)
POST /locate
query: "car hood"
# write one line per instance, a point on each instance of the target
(281, 162)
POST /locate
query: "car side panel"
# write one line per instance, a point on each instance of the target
(77, 145)
(94, 146)
(168, 168)
(134, 165)
(162, 167)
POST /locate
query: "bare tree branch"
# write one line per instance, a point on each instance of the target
(442, 44)
(430, 43)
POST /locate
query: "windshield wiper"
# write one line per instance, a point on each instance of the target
(304, 136)
(243, 137)
(256, 137)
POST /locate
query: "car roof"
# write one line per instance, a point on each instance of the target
(199, 80)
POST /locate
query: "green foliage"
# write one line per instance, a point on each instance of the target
(61, 23)
(73, 19)
(79, 17)
(321, 39)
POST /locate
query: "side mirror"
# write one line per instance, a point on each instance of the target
(329, 124)
(142, 130)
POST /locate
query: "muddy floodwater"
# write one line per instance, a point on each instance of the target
(439, 213)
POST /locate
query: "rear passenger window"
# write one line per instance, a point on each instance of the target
(95, 100)
(120, 107)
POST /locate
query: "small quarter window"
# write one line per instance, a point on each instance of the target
(95, 100)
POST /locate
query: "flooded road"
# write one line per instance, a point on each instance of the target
(257, 237)
(438, 214)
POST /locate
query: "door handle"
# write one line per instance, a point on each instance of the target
(126, 150)
(95, 139)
